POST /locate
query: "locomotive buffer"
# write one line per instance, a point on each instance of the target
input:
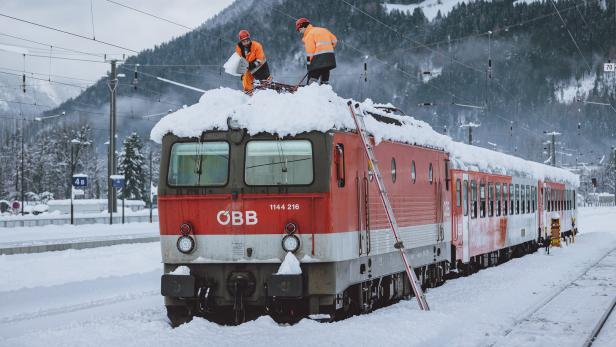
(358, 118)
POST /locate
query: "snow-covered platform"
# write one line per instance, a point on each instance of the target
(110, 296)
(59, 238)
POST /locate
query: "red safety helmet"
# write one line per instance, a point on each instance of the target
(243, 35)
(299, 22)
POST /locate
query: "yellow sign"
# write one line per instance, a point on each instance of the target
(555, 232)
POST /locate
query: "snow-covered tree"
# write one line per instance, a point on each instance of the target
(131, 165)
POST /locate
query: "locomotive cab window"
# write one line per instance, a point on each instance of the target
(413, 174)
(278, 162)
(199, 164)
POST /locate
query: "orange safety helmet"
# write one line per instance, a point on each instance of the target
(299, 22)
(243, 35)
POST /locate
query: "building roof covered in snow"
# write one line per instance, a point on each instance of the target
(318, 108)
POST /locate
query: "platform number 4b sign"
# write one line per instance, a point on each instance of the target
(609, 67)
(80, 181)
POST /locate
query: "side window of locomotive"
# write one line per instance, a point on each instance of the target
(511, 199)
(482, 198)
(393, 170)
(498, 199)
(490, 199)
(413, 174)
(458, 193)
(465, 198)
(473, 199)
(198, 164)
(430, 174)
(278, 162)
(340, 165)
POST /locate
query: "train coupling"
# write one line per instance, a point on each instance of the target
(289, 286)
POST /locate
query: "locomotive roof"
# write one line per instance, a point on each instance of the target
(318, 108)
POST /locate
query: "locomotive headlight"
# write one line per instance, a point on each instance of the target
(290, 243)
(186, 244)
(290, 228)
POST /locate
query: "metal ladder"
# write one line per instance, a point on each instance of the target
(358, 118)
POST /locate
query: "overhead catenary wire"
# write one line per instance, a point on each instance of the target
(67, 32)
(571, 35)
(50, 44)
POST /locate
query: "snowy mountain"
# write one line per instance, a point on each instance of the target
(432, 52)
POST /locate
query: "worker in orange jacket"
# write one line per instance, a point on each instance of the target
(319, 44)
(253, 52)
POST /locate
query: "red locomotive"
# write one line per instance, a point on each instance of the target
(235, 199)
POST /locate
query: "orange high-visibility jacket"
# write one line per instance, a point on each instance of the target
(255, 56)
(319, 44)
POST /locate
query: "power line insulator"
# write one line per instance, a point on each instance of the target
(23, 82)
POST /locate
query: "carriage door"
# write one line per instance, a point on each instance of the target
(361, 183)
(465, 218)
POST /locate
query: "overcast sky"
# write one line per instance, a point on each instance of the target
(112, 23)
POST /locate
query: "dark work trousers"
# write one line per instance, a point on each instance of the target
(320, 75)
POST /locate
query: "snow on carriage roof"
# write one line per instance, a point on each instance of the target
(318, 108)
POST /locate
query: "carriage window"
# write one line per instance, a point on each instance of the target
(393, 170)
(517, 199)
(490, 200)
(465, 198)
(528, 199)
(413, 175)
(523, 199)
(430, 174)
(505, 199)
(533, 192)
(199, 164)
(511, 199)
(473, 199)
(547, 199)
(271, 163)
(458, 193)
(498, 199)
(574, 198)
(482, 199)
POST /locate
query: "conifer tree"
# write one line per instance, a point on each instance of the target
(131, 165)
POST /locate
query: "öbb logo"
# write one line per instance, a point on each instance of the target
(237, 217)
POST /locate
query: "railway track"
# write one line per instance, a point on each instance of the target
(533, 314)
(599, 326)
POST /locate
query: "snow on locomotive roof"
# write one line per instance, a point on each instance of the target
(318, 108)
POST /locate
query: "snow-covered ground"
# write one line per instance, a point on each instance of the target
(51, 234)
(110, 296)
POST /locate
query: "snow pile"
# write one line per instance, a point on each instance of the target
(181, 271)
(318, 108)
(232, 64)
(290, 266)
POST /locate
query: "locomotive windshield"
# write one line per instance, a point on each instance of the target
(278, 162)
(199, 164)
